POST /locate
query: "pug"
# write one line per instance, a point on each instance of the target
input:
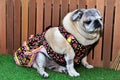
(61, 48)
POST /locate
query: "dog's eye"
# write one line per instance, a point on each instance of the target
(101, 19)
(87, 22)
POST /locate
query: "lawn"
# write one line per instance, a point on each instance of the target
(10, 71)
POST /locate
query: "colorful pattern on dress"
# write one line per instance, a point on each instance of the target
(25, 55)
(79, 49)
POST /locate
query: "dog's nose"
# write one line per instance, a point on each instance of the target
(97, 24)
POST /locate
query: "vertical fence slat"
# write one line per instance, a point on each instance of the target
(32, 7)
(10, 26)
(116, 38)
(39, 22)
(55, 14)
(100, 6)
(108, 33)
(91, 3)
(16, 24)
(82, 4)
(64, 8)
(73, 5)
(98, 47)
(3, 26)
(47, 17)
(24, 20)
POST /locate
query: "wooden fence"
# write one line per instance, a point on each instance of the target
(20, 18)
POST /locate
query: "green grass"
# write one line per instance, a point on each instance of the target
(10, 71)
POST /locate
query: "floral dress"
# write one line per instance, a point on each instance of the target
(26, 54)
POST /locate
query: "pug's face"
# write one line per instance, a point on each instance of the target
(89, 20)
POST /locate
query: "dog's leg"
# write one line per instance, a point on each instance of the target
(85, 63)
(69, 57)
(55, 67)
(40, 64)
(52, 65)
(62, 69)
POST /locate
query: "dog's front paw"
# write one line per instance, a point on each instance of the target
(89, 66)
(73, 73)
(45, 75)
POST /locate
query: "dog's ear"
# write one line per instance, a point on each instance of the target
(77, 15)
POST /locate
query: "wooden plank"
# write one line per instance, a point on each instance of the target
(64, 9)
(97, 54)
(116, 38)
(73, 5)
(3, 26)
(16, 24)
(90, 58)
(47, 17)
(82, 4)
(91, 3)
(32, 7)
(55, 13)
(24, 20)
(98, 47)
(108, 28)
(39, 22)
(10, 26)
(100, 6)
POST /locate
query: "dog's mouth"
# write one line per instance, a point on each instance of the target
(93, 30)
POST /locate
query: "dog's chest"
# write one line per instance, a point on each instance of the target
(79, 49)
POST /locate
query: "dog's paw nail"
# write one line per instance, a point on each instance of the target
(89, 67)
(65, 71)
(45, 75)
(77, 75)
